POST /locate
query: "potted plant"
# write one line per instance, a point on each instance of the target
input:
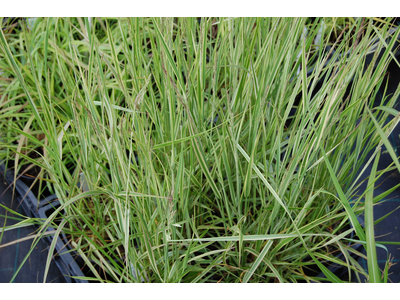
(254, 198)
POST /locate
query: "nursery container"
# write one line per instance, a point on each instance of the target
(39, 209)
(30, 204)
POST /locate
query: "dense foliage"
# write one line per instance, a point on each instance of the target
(201, 150)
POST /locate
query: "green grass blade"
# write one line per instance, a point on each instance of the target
(259, 259)
(373, 269)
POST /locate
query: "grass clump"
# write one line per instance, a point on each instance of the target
(206, 150)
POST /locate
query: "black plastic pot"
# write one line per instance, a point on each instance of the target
(69, 262)
(26, 197)
(37, 209)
